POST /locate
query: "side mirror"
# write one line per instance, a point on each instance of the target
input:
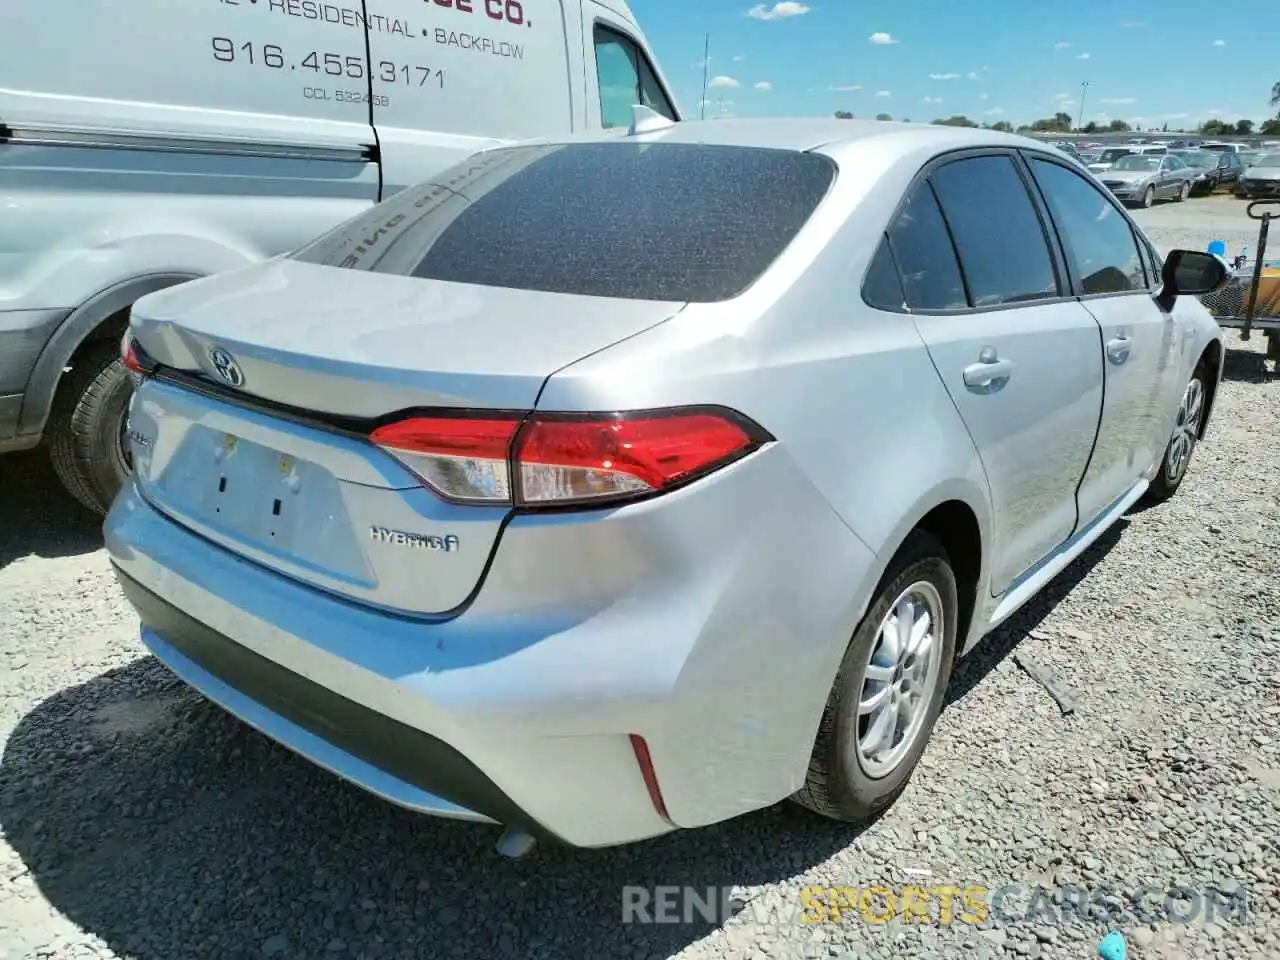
(1191, 273)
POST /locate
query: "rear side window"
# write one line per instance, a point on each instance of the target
(997, 232)
(1099, 244)
(642, 221)
(883, 288)
(926, 260)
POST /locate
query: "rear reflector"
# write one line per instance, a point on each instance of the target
(560, 459)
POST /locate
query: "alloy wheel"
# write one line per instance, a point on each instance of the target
(900, 678)
(1185, 431)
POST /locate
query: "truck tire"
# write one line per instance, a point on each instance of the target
(86, 441)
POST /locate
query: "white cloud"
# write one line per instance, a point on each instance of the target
(944, 76)
(995, 112)
(1119, 100)
(779, 11)
(1176, 116)
(1084, 56)
(1219, 43)
(883, 93)
(722, 82)
(982, 96)
(845, 88)
(882, 39)
(932, 99)
(764, 85)
(703, 64)
(739, 58)
(973, 75)
(1130, 24)
(1061, 45)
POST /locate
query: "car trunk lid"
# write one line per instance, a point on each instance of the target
(255, 432)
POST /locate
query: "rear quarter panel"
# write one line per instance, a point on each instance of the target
(849, 393)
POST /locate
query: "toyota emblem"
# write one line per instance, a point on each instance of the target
(226, 366)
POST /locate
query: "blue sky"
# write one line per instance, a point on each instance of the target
(1180, 61)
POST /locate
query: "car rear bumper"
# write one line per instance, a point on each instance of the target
(527, 719)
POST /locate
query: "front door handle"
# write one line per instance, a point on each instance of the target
(986, 372)
(1118, 349)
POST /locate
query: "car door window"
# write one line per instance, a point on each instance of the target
(883, 287)
(926, 260)
(997, 231)
(1098, 241)
(625, 78)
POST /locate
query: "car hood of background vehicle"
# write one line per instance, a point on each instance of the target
(1263, 173)
(362, 344)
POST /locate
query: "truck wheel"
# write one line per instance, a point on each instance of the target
(87, 432)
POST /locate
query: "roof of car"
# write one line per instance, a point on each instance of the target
(803, 134)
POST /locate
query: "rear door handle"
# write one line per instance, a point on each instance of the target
(1118, 349)
(986, 372)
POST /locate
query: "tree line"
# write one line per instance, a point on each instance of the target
(1063, 123)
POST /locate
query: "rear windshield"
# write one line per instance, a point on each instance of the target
(683, 222)
(1110, 156)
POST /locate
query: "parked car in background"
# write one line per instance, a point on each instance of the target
(1232, 166)
(1212, 168)
(1145, 178)
(1110, 155)
(1215, 145)
(1262, 178)
(1066, 146)
(226, 133)
(452, 500)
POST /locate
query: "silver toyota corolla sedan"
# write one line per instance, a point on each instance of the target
(628, 483)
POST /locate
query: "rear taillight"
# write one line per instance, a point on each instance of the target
(133, 356)
(561, 459)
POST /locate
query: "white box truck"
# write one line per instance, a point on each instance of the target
(144, 145)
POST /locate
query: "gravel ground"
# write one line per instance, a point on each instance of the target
(139, 821)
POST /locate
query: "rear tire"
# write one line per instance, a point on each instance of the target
(86, 432)
(1186, 434)
(1184, 191)
(846, 781)
(1148, 197)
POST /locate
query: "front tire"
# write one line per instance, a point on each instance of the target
(889, 689)
(87, 442)
(1186, 434)
(1184, 191)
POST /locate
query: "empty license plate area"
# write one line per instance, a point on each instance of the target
(326, 508)
(265, 503)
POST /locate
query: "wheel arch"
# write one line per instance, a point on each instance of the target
(958, 513)
(1212, 356)
(102, 317)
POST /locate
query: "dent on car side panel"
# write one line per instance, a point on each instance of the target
(90, 217)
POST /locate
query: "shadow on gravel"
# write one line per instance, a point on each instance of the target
(153, 820)
(1246, 366)
(37, 516)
